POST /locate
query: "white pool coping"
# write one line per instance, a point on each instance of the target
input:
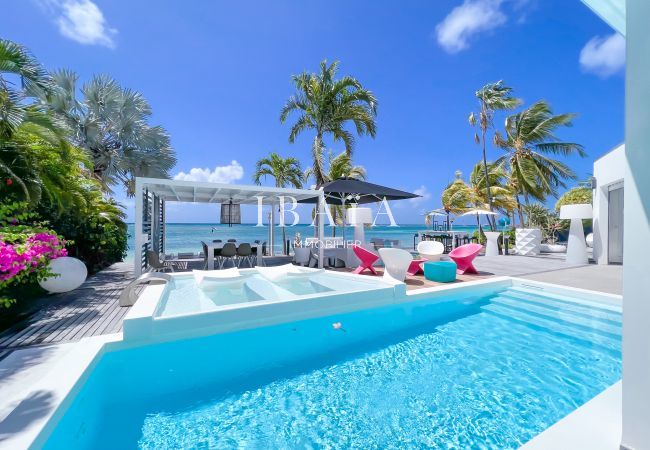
(34, 396)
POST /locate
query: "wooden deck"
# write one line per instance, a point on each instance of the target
(91, 310)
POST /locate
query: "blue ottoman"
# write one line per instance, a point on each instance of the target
(440, 271)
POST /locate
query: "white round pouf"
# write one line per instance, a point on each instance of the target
(590, 240)
(72, 273)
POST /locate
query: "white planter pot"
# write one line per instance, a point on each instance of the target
(528, 241)
(301, 255)
(71, 274)
(553, 248)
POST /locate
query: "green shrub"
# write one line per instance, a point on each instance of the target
(98, 231)
(575, 196)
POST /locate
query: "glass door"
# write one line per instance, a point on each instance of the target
(615, 226)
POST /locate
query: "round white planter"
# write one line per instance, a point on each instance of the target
(72, 273)
(553, 248)
(301, 255)
(528, 241)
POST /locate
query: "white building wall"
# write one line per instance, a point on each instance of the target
(636, 284)
(609, 170)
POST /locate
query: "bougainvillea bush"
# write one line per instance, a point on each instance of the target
(26, 248)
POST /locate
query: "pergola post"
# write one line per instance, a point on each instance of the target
(139, 211)
(321, 228)
(271, 230)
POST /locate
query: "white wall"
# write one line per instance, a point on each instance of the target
(636, 283)
(609, 169)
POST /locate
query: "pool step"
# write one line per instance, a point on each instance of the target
(592, 337)
(578, 319)
(567, 300)
(564, 303)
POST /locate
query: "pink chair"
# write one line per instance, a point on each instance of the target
(463, 257)
(367, 258)
(415, 266)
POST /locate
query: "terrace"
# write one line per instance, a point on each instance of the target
(94, 310)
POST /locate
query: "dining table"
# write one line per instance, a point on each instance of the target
(212, 246)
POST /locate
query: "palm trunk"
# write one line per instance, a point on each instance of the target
(487, 179)
(520, 212)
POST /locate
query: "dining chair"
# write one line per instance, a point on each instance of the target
(244, 253)
(228, 252)
(155, 264)
(205, 255)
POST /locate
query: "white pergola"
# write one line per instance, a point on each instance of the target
(152, 194)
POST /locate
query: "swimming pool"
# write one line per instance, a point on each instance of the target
(489, 367)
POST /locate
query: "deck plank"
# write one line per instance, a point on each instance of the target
(91, 310)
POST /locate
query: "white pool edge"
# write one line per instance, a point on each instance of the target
(64, 376)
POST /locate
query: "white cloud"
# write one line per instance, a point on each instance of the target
(467, 20)
(221, 174)
(603, 56)
(82, 21)
(424, 194)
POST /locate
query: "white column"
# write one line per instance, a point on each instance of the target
(137, 251)
(636, 304)
(321, 230)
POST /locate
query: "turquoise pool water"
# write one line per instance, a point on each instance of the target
(487, 371)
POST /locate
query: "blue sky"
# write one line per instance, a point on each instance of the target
(217, 74)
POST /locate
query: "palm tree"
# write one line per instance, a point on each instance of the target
(529, 138)
(339, 166)
(111, 124)
(285, 171)
(327, 105)
(495, 189)
(36, 160)
(460, 196)
(492, 97)
(14, 108)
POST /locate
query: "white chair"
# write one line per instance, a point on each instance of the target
(431, 250)
(396, 262)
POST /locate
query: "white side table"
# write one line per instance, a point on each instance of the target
(492, 247)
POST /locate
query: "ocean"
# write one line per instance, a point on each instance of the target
(187, 237)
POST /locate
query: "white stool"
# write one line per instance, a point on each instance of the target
(492, 247)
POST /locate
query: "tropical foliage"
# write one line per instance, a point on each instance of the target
(15, 105)
(26, 247)
(58, 156)
(111, 124)
(528, 141)
(96, 230)
(328, 106)
(460, 196)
